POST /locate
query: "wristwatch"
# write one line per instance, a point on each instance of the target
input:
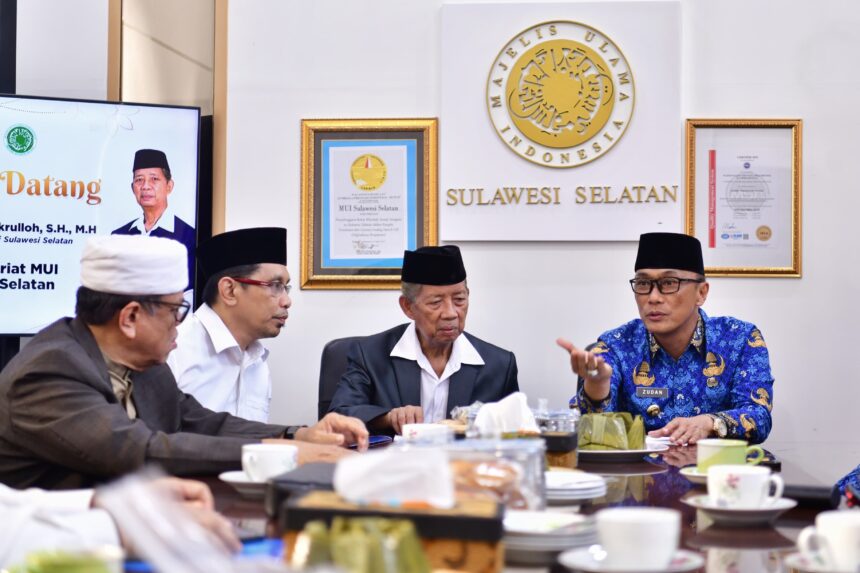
(290, 432)
(719, 426)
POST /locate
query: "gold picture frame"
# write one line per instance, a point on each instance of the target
(369, 191)
(744, 195)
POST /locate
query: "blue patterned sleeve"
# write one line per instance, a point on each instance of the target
(752, 392)
(852, 478)
(588, 406)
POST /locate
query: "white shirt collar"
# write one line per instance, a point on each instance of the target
(220, 335)
(166, 222)
(408, 347)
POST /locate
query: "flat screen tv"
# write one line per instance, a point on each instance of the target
(66, 175)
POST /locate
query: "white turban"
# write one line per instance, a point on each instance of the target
(134, 265)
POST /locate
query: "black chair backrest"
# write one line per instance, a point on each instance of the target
(332, 367)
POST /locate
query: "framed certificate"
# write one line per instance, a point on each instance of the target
(744, 195)
(368, 193)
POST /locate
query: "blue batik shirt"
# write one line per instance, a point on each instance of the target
(724, 371)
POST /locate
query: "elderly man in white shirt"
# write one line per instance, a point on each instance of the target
(219, 358)
(418, 372)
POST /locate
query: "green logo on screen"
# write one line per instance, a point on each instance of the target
(20, 139)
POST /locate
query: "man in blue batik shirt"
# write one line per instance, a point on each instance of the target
(689, 375)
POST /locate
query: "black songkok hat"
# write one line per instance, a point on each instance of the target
(243, 247)
(433, 266)
(146, 158)
(670, 251)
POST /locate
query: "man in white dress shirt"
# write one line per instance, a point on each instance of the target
(218, 357)
(418, 372)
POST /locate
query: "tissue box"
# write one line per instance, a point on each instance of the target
(466, 537)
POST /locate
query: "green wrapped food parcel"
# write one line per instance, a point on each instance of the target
(611, 431)
(362, 545)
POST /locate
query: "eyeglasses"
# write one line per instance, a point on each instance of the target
(666, 285)
(180, 309)
(275, 287)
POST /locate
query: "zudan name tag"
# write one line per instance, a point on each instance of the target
(652, 392)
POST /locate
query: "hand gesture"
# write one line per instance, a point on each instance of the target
(685, 431)
(587, 365)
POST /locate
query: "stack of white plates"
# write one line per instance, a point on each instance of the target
(567, 486)
(536, 537)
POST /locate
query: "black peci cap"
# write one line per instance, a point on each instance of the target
(433, 266)
(243, 247)
(669, 251)
(146, 158)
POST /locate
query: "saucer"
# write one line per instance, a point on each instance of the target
(530, 522)
(590, 560)
(802, 563)
(693, 474)
(573, 485)
(244, 484)
(740, 517)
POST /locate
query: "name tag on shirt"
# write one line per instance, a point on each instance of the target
(652, 392)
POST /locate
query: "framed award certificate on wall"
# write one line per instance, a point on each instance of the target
(368, 193)
(744, 195)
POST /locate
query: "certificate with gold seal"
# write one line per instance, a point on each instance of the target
(368, 198)
(743, 195)
(368, 195)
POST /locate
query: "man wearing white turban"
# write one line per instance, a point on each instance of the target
(90, 398)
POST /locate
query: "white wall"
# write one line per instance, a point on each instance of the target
(775, 58)
(62, 48)
(168, 52)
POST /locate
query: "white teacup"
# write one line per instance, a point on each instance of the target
(638, 538)
(834, 541)
(743, 487)
(263, 461)
(427, 433)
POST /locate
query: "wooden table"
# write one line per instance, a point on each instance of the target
(646, 484)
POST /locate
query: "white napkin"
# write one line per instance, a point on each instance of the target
(510, 414)
(394, 476)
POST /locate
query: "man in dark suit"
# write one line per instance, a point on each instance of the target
(418, 372)
(90, 397)
(151, 183)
